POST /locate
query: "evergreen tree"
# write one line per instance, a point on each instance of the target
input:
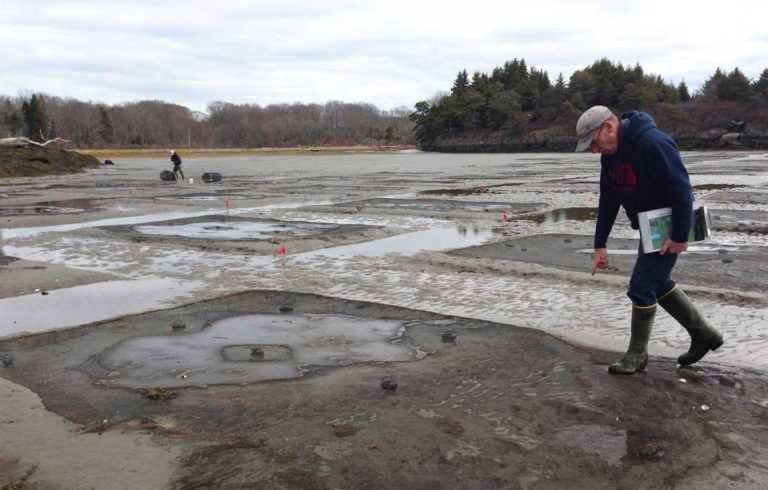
(461, 84)
(710, 92)
(635, 96)
(760, 87)
(35, 119)
(582, 89)
(389, 135)
(426, 127)
(106, 130)
(682, 92)
(479, 82)
(735, 87)
(513, 75)
(664, 92)
(502, 105)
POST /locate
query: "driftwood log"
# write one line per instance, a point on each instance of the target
(23, 141)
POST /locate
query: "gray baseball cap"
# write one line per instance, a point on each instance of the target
(588, 123)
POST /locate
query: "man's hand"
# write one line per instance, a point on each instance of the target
(600, 261)
(673, 247)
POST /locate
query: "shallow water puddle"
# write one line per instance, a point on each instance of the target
(563, 215)
(8, 233)
(228, 351)
(79, 305)
(608, 443)
(65, 206)
(435, 239)
(207, 197)
(441, 205)
(240, 230)
(34, 209)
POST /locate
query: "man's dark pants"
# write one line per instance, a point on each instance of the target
(651, 277)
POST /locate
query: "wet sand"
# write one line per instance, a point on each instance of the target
(520, 400)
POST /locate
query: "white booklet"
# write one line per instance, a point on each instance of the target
(656, 226)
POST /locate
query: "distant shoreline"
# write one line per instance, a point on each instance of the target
(102, 153)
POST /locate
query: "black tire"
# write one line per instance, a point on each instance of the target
(167, 176)
(209, 177)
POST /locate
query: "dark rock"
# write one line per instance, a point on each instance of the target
(108, 162)
(257, 352)
(44, 293)
(178, 325)
(651, 453)
(285, 308)
(727, 261)
(726, 380)
(448, 336)
(389, 384)
(6, 359)
(7, 259)
(737, 126)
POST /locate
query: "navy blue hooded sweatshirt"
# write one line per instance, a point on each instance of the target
(646, 172)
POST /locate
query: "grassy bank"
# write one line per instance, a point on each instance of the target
(34, 161)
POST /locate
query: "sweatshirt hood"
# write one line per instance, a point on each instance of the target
(638, 123)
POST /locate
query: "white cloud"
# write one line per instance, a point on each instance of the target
(387, 53)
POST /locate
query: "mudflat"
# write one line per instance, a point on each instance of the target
(399, 320)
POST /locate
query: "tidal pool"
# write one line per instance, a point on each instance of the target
(221, 353)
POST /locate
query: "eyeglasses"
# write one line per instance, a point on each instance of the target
(594, 145)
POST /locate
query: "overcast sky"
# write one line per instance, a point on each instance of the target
(389, 53)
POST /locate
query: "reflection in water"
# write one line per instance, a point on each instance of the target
(206, 197)
(80, 305)
(564, 214)
(240, 230)
(66, 206)
(435, 239)
(36, 209)
(440, 205)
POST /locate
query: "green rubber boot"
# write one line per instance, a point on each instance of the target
(704, 338)
(636, 357)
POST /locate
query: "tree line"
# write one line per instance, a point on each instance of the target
(514, 99)
(159, 124)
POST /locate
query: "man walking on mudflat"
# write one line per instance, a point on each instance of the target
(641, 170)
(176, 160)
